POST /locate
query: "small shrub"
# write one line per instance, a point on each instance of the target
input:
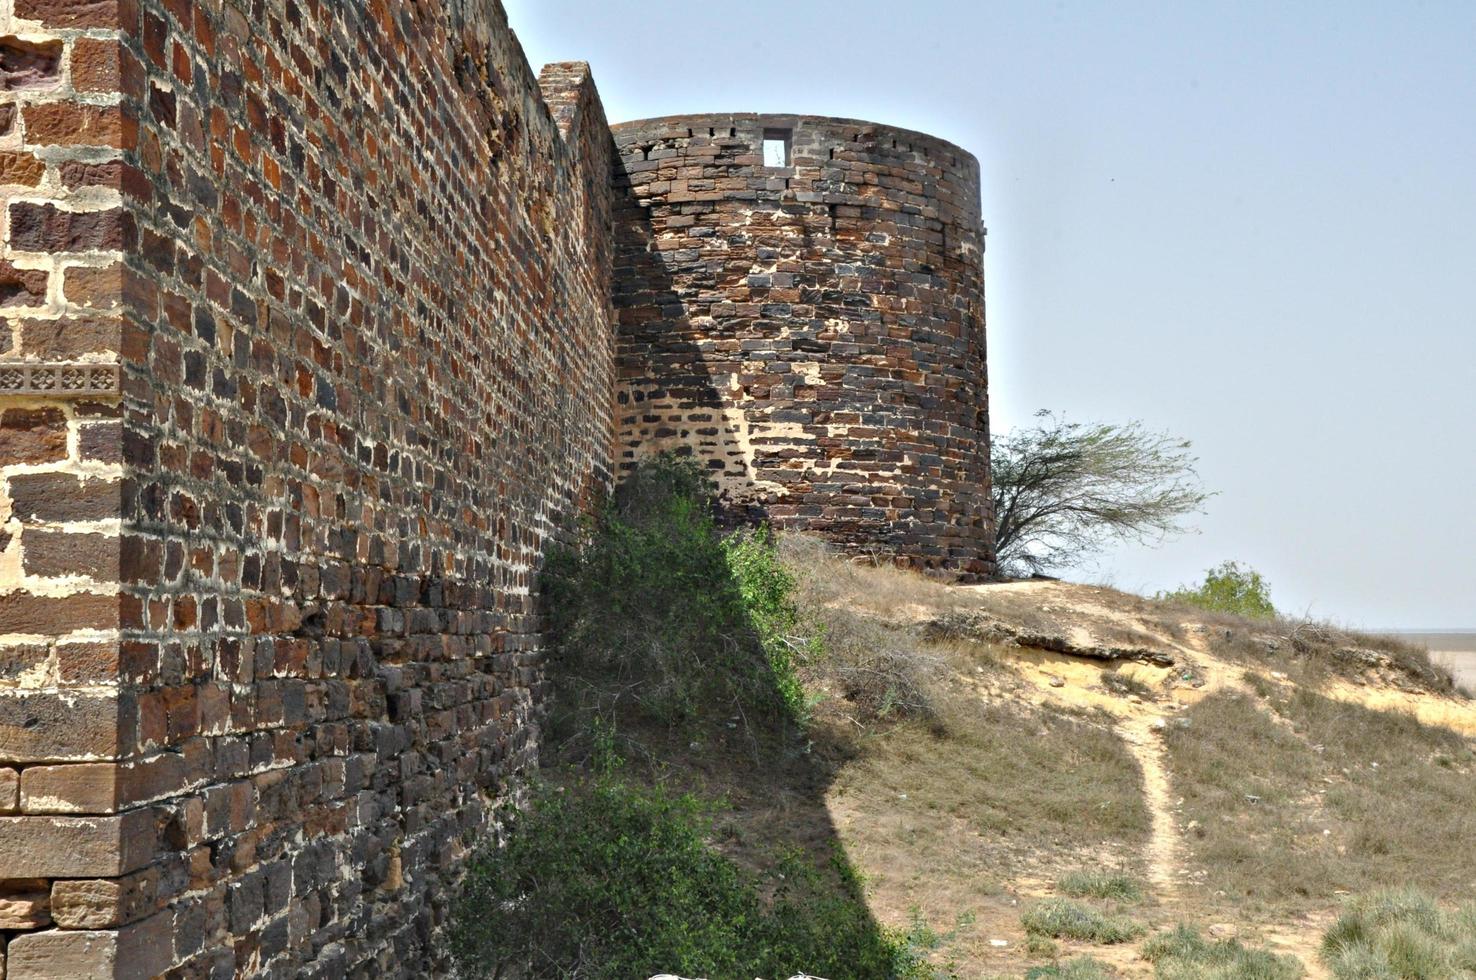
(1041, 947)
(1125, 685)
(1081, 968)
(1184, 954)
(1401, 935)
(612, 880)
(1230, 588)
(767, 589)
(1101, 884)
(1061, 918)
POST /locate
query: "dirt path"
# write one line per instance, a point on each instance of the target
(1165, 849)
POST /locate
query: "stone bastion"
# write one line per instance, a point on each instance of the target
(800, 304)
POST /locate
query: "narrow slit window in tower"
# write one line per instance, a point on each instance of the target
(777, 145)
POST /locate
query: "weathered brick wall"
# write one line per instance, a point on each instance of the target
(815, 332)
(308, 353)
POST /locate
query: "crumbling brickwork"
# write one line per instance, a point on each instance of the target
(814, 330)
(309, 351)
(307, 355)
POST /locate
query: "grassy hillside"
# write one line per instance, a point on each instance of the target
(862, 772)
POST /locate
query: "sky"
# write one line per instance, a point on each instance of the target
(1250, 224)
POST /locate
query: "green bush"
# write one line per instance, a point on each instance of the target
(1061, 918)
(1184, 954)
(1230, 588)
(767, 590)
(1401, 935)
(615, 880)
(657, 609)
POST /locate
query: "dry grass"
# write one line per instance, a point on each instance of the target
(1094, 883)
(1296, 798)
(877, 667)
(1014, 773)
(1061, 918)
(1313, 652)
(879, 590)
(1404, 935)
(1184, 954)
(963, 782)
(1081, 968)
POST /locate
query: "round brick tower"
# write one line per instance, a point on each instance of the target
(801, 306)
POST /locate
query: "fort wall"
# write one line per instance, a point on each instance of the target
(308, 350)
(307, 355)
(810, 327)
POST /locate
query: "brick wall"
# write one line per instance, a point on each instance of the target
(307, 354)
(813, 332)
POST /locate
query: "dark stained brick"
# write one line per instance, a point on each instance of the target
(32, 435)
(47, 228)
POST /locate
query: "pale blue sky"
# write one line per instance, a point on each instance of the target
(1253, 224)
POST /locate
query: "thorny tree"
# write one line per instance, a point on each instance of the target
(1064, 490)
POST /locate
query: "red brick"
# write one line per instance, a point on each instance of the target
(70, 13)
(29, 64)
(22, 169)
(60, 497)
(22, 287)
(62, 553)
(80, 173)
(96, 66)
(94, 288)
(47, 228)
(32, 435)
(87, 661)
(101, 442)
(74, 124)
(21, 612)
(70, 337)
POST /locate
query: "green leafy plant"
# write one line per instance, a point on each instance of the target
(1229, 588)
(656, 611)
(609, 880)
(767, 591)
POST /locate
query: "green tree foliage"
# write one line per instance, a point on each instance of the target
(1063, 490)
(1229, 588)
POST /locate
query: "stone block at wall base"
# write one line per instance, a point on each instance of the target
(135, 953)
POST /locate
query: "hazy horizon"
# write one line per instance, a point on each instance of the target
(1250, 224)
